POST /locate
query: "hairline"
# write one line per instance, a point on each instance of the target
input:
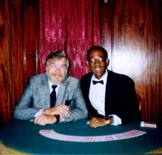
(58, 54)
(97, 48)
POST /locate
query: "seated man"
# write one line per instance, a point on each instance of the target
(110, 97)
(52, 96)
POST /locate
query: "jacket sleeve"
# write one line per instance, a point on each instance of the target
(78, 109)
(24, 110)
(127, 108)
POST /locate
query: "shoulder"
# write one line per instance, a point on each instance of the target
(38, 78)
(87, 77)
(71, 80)
(119, 77)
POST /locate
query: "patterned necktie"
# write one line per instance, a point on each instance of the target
(53, 96)
(95, 82)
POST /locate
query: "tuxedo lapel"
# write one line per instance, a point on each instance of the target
(88, 84)
(108, 93)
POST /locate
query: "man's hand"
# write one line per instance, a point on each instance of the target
(61, 110)
(98, 122)
(45, 119)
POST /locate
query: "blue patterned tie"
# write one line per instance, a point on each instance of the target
(53, 96)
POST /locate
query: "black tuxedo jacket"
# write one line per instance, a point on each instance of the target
(120, 97)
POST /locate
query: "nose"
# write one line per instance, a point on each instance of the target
(57, 69)
(96, 62)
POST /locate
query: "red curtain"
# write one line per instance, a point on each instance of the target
(69, 25)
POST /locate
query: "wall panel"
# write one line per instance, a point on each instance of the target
(16, 52)
(5, 62)
(136, 48)
(19, 27)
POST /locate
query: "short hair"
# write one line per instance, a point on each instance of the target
(58, 54)
(97, 48)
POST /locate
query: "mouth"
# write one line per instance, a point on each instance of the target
(57, 75)
(97, 69)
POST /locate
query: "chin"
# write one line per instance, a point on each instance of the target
(58, 81)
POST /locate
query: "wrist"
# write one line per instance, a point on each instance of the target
(45, 111)
(57, 118)
(109, 120)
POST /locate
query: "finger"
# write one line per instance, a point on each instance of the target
(36, 119)
(63, 106)
(88, 122)
(53, 110)
(42, 123)
(42, 120)
(94, 123)
(39, 120)
(63, 112)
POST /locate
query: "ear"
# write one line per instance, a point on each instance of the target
(87, 63)
(107, 61)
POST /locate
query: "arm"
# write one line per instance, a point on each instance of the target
(128, 105)
(99, 122)
(78, 109)
(123, 106)
(25, 110)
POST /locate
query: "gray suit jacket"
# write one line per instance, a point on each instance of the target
(36, 96)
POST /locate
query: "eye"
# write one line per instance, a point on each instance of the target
(100, 59)
(63, 66)
(52, 64)
(92, 59)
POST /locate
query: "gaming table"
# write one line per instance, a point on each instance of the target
(78, 138)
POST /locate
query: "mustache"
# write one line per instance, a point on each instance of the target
(56, 74)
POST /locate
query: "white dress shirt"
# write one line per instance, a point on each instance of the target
(97, 97)
(50, 86)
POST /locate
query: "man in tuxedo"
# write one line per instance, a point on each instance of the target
(52, 96)
(110, 97)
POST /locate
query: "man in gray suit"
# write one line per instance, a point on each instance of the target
(68, 103)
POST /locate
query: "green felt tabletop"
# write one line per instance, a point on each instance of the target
(24, 136)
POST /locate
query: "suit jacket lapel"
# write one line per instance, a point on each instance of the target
(45, 91)
(62, 91)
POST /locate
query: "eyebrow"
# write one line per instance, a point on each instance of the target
(98, 57)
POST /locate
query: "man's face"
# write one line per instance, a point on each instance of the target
(97, 63)
(56, 69)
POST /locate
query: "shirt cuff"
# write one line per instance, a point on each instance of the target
(62, 120)
(117, 120)
(38, 113)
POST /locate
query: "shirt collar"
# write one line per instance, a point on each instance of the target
(51, 83)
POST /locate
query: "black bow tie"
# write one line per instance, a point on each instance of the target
(95, 82)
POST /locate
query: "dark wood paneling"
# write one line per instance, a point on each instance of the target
(5, 62)
(106, 27)
(16, 52)
(31, 36)
(136, 48)
(19, 27)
